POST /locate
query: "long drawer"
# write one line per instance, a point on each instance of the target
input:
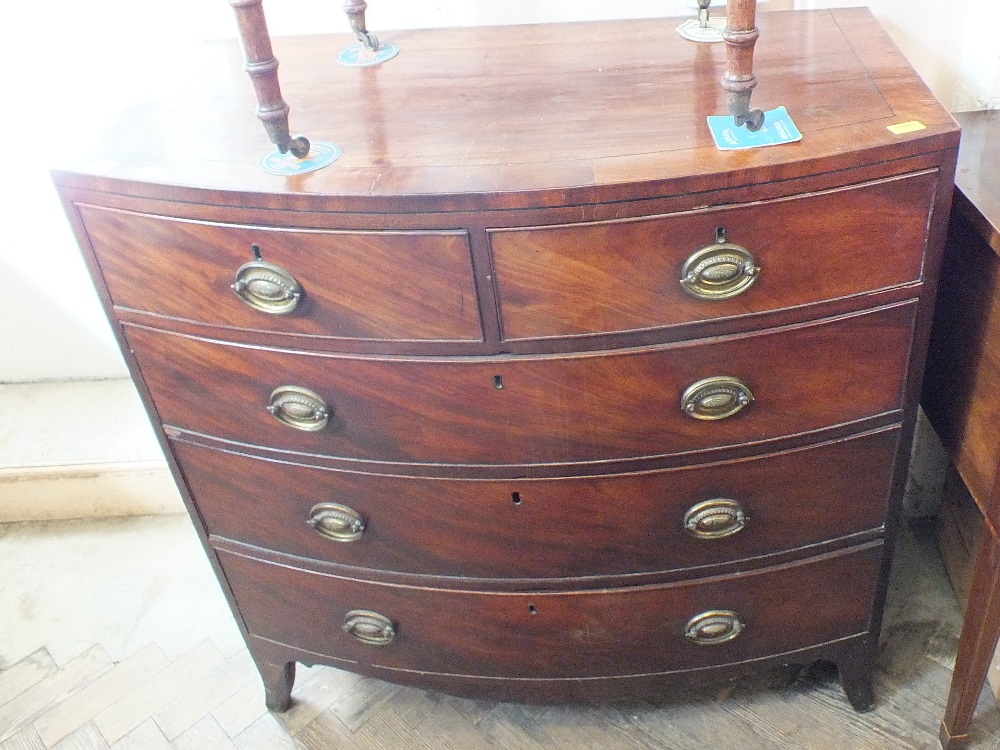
(596, 526)
(534, 410)
(625, 274)
(629, 631)
(362, 285)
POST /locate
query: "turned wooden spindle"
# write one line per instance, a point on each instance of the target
(262, 66)
(355, 10)
(741, 35)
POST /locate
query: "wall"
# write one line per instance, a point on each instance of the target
(948, 42)
(69, 62)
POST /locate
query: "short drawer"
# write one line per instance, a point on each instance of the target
(594, 526)
(626, 274)
(611, 632)
(532, 410)
(356, 285)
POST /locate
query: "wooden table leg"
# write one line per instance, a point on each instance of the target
(262, 66)
(977, 644)
(741, 35)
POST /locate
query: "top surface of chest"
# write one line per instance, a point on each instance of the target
(527, 116)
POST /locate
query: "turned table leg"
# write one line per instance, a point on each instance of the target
(741, 35)
(262, 66)
(980, 632)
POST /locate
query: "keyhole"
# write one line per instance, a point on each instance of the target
(720, 235)
(531, 610)
(515, 497)
(256, 251)
(498, 382)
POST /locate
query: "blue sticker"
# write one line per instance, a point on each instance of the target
(321, 153)
(359, 56)
(778, 128)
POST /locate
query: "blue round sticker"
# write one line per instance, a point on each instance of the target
(321, 154)
(360, 56)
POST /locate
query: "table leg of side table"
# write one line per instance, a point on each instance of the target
(262, 67)
(980, 632)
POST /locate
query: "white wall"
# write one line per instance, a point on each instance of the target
(951, 43)
(68, 63)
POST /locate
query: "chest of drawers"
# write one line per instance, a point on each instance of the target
(536, 394)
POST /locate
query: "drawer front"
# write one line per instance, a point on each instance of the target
(361, 285)
(625, 275)
(629, 631)
(596, 526)
(532, 410)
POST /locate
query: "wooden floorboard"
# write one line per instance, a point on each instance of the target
(203, 700)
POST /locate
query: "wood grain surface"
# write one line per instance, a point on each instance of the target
(558, 635)
(362, 285)
(525, 115)
(624, 525)
(562, 409)
(590, 278)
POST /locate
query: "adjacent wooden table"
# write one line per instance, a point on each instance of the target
(961, 390)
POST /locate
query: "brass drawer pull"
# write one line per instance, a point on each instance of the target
(716, 398)
(336, 522)
(267, 287)
(719, 271)
(715, 519)
(369, 627)
(714, 628)
(299, 408)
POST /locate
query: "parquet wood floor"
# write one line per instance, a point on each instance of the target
(206, 700)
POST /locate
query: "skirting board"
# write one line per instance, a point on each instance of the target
(49, 493)
(79, 449)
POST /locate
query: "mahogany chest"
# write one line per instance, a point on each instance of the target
(535, 393)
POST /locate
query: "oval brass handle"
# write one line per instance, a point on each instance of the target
(267, 287)
(714, 627)
(715, 519)
(719, 271)
(299, 408)
(369, 627)
(716, 398)
(336, 522)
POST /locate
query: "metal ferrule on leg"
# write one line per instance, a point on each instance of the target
(741, 34)
(355, 10)
(703, 13)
